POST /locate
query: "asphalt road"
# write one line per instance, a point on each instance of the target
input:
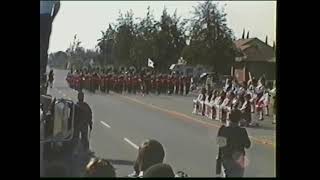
(122, 122)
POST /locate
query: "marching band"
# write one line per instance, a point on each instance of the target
(131, 83)
(248, 97)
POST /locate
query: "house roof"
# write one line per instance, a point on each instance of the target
(253, 49)
(243, 43)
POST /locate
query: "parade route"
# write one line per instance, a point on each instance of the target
(123, 121)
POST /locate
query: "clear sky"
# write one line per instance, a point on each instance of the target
(88, 18)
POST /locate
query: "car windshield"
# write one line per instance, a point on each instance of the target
(157, 87)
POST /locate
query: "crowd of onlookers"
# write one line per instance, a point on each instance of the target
(232, 141)
(254, 96)
(148, 163)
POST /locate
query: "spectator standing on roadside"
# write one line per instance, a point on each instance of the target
(232, 141)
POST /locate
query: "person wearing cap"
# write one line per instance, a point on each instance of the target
(232, 141)
(48, 11)
(83, 119)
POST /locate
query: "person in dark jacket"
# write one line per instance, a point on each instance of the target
(232, 141)
(83, 120)
(159, 170)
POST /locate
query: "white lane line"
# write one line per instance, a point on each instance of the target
(105, 124)
(131, 143)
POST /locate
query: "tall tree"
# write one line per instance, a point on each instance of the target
(248, 35)
(105, 44)
(124, 38)
(210, 36)
(266, 40)
(274, 45)
(243, 33)
(144, 40)
(170, 40)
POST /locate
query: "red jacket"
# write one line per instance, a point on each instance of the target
(129, 81)
(96, 79)
(177, 81)
(134, 81)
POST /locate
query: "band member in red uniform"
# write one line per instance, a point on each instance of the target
(142, 84)
(102, 82)
(107, 82)
(116, 83)
(165, 84)
(111, 83)
(134, 84)
(181, 83)
(188, 84)
(77, 81)
(96, 80)
(121, 84)
(169, 84)
(158, 84)
(153, 83)
(89, 81)
(129, 83)
(161, 83)
(147, 83)
(125, 85)
(82, 81)
(177, 84)
(172, 84)
(86, 81)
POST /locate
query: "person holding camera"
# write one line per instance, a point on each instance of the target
(232, 141)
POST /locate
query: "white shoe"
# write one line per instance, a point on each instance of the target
(134, 174)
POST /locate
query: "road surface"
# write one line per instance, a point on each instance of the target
(122, 122)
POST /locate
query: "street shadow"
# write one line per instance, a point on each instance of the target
(62, 87)
(121, 162)
(262, 127)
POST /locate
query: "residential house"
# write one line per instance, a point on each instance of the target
(254, 58)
